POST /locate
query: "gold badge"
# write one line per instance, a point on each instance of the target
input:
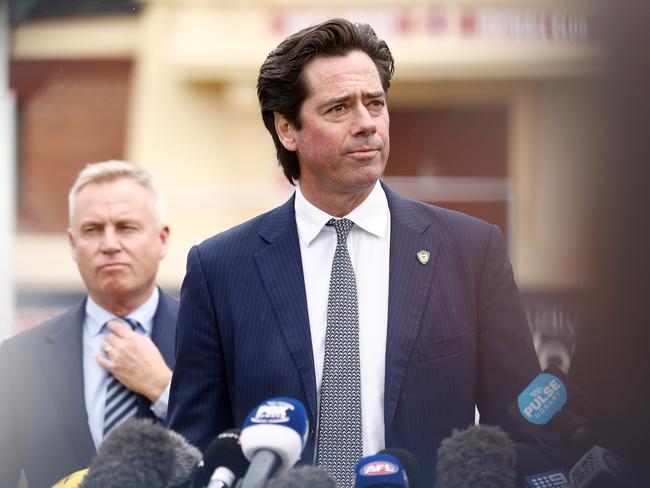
(423, 256)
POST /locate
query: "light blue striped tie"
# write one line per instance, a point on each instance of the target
(121, 403)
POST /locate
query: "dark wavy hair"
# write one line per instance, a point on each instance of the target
(282, 88)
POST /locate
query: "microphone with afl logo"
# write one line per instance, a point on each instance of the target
(379, 471)
(273, 438)
(409, 462)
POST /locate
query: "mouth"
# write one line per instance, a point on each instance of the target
(112, 266)
(363, 152)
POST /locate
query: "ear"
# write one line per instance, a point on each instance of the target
(73, 244)
(286, 131)
(164, 240)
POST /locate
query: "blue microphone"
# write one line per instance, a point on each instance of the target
(272, 439)
(542, 399)
(546, 409)
(380, 470)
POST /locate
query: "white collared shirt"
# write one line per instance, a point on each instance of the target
(369, 248)
(96, 377)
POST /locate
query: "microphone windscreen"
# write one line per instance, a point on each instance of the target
(379, 471)
(223, 451)
(410, 463)
(279, 425)
(303, 477)
(140, 453)
(479, 456)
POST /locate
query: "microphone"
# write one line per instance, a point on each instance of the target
(379, 471)
(535, 470)
(481, 455)
(140, 453)
(302, 477)
(223, 462)
(273, 438)
(555, 478)
(601, 468)
(410, 463)
(545, 401)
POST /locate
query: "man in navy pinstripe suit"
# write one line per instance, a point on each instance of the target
(440, 325)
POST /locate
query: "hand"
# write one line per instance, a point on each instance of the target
(134, 360)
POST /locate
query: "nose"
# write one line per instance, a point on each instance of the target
(364, 123)
(110, 243)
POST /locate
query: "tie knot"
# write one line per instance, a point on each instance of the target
(134, 324)
(342, 227)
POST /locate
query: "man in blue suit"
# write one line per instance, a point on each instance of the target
(67, 382)
(388, 318)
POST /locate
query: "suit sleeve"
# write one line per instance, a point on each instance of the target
(10, 464)
(506, 358)
(199, 406)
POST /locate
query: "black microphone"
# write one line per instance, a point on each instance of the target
(534, 469)
(273, 438)
(410, 463)
(223, 463)
(601, 468)
(303, 477)
(142, 454)
(479, 456)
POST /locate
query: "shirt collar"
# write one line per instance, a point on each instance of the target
(97, 316)
(371, 215)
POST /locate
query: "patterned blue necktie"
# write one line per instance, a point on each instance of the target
(340, 441)
(121, 403)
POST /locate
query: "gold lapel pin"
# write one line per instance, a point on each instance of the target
(423, 256)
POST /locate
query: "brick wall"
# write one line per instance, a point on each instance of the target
(69, 113)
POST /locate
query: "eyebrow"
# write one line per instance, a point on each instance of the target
(345, 98)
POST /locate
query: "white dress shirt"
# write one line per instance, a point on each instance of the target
(369, 248)
(96, 377)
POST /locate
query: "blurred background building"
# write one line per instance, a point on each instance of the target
(490, 114)
(502, 109)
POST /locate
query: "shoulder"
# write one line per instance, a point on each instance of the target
(250, 236)
(50, 328)
(444, 224)
(167, 305)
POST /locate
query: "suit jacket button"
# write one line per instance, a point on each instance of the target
(312, 434)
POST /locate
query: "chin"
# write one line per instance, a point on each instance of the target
(366, 177)
(117, 287)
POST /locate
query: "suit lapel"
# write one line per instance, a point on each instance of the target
(409, 287)
(280, 268)
(63, 368)
(164, 328)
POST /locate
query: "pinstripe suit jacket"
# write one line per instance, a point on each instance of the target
(43, 420)
(457, 335)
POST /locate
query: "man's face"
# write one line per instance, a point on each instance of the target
(343, 144)
(117, 241)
